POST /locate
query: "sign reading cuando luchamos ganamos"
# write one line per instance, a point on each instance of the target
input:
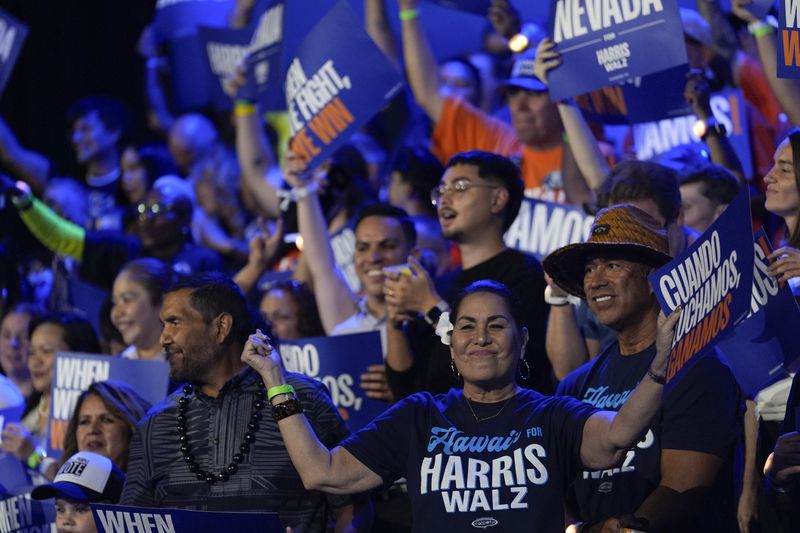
(712, 282)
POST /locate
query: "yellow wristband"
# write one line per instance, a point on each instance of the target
(408, 14)
(242, 109)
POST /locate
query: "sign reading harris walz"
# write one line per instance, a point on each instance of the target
(789, 39)
(12, 35)
(608, 42)
(712, 281)
(337, 80)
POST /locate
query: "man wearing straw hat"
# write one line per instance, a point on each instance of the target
(682, 464)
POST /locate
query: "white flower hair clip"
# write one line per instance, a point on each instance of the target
(444, 328)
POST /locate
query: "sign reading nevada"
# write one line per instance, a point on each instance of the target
(608, 42)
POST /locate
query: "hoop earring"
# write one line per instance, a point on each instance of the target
(527, 373)
(453, 368)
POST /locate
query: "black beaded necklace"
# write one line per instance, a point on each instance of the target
(249, 436)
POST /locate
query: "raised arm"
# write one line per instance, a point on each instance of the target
(698, 95)
(56, 233)
(377, 25)
(785, 90)
(420, 64)
(607, 435)
(334, 299)
(29, 166)
(335, 471)
(582, 143)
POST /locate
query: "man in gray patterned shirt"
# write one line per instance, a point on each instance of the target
(207, 445)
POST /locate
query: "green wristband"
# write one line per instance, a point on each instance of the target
(35, 459)
(408, 14)
(279, 389)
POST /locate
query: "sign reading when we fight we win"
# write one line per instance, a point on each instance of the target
(607, 42)
(712, 282)
(75, 372)
(789, 39)
(336, 81)
(121, 519)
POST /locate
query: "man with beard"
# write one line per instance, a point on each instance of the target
(226, 454)
(478, 198)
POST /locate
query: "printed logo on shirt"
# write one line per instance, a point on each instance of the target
(483, 523)
(602, 399)
(628, 465)
(469, 484)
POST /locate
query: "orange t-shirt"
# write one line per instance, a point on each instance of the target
(462, 127)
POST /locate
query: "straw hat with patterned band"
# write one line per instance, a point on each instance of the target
(622, 231)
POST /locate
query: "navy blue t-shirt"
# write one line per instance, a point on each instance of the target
(702, 413)
(510, 470)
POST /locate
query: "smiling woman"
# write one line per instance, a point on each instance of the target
(491, 453)
(104, 420)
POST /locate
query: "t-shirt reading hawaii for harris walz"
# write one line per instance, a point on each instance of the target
(508, 471)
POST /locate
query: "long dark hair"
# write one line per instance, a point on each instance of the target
(794, 140)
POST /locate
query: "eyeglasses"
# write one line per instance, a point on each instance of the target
(458, 187)
(152, 210)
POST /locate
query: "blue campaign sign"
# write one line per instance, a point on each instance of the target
(20, 513)
(225, 48)
(760, 8)
(765, 347)
(343, 244)
(643, 99)
(337, 80)
(712, 281)
(264, 59)
(122, 519)
(178, 18)
(655, 138)
(338, 362)
(13, 474)
(541, 227)
(788, 42)
(478, 7)
(606, 43)
(74, 372)
(12, 35)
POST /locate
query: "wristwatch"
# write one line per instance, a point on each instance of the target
(710, 126)
(432, 315)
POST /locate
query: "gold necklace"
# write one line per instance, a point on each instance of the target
(469, 404)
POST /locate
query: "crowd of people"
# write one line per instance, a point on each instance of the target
(519, 394)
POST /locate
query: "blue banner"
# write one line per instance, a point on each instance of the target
(343, 244)
(13, 475)
(12, 36)
(338, 362)
(22, 514)
(122, 519)
(225, 48)
(642, 99)
(178, 18)
(264, 62)
(335, 83)
(788, 41)
(541, 227)
(765, 347)
(712, 280)
(655, 138)
(760, 8)
(74, 372)
(478, 7)
(609, 42)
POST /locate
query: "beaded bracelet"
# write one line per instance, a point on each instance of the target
(286, 409)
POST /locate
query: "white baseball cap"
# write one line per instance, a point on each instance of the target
(85, 476)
